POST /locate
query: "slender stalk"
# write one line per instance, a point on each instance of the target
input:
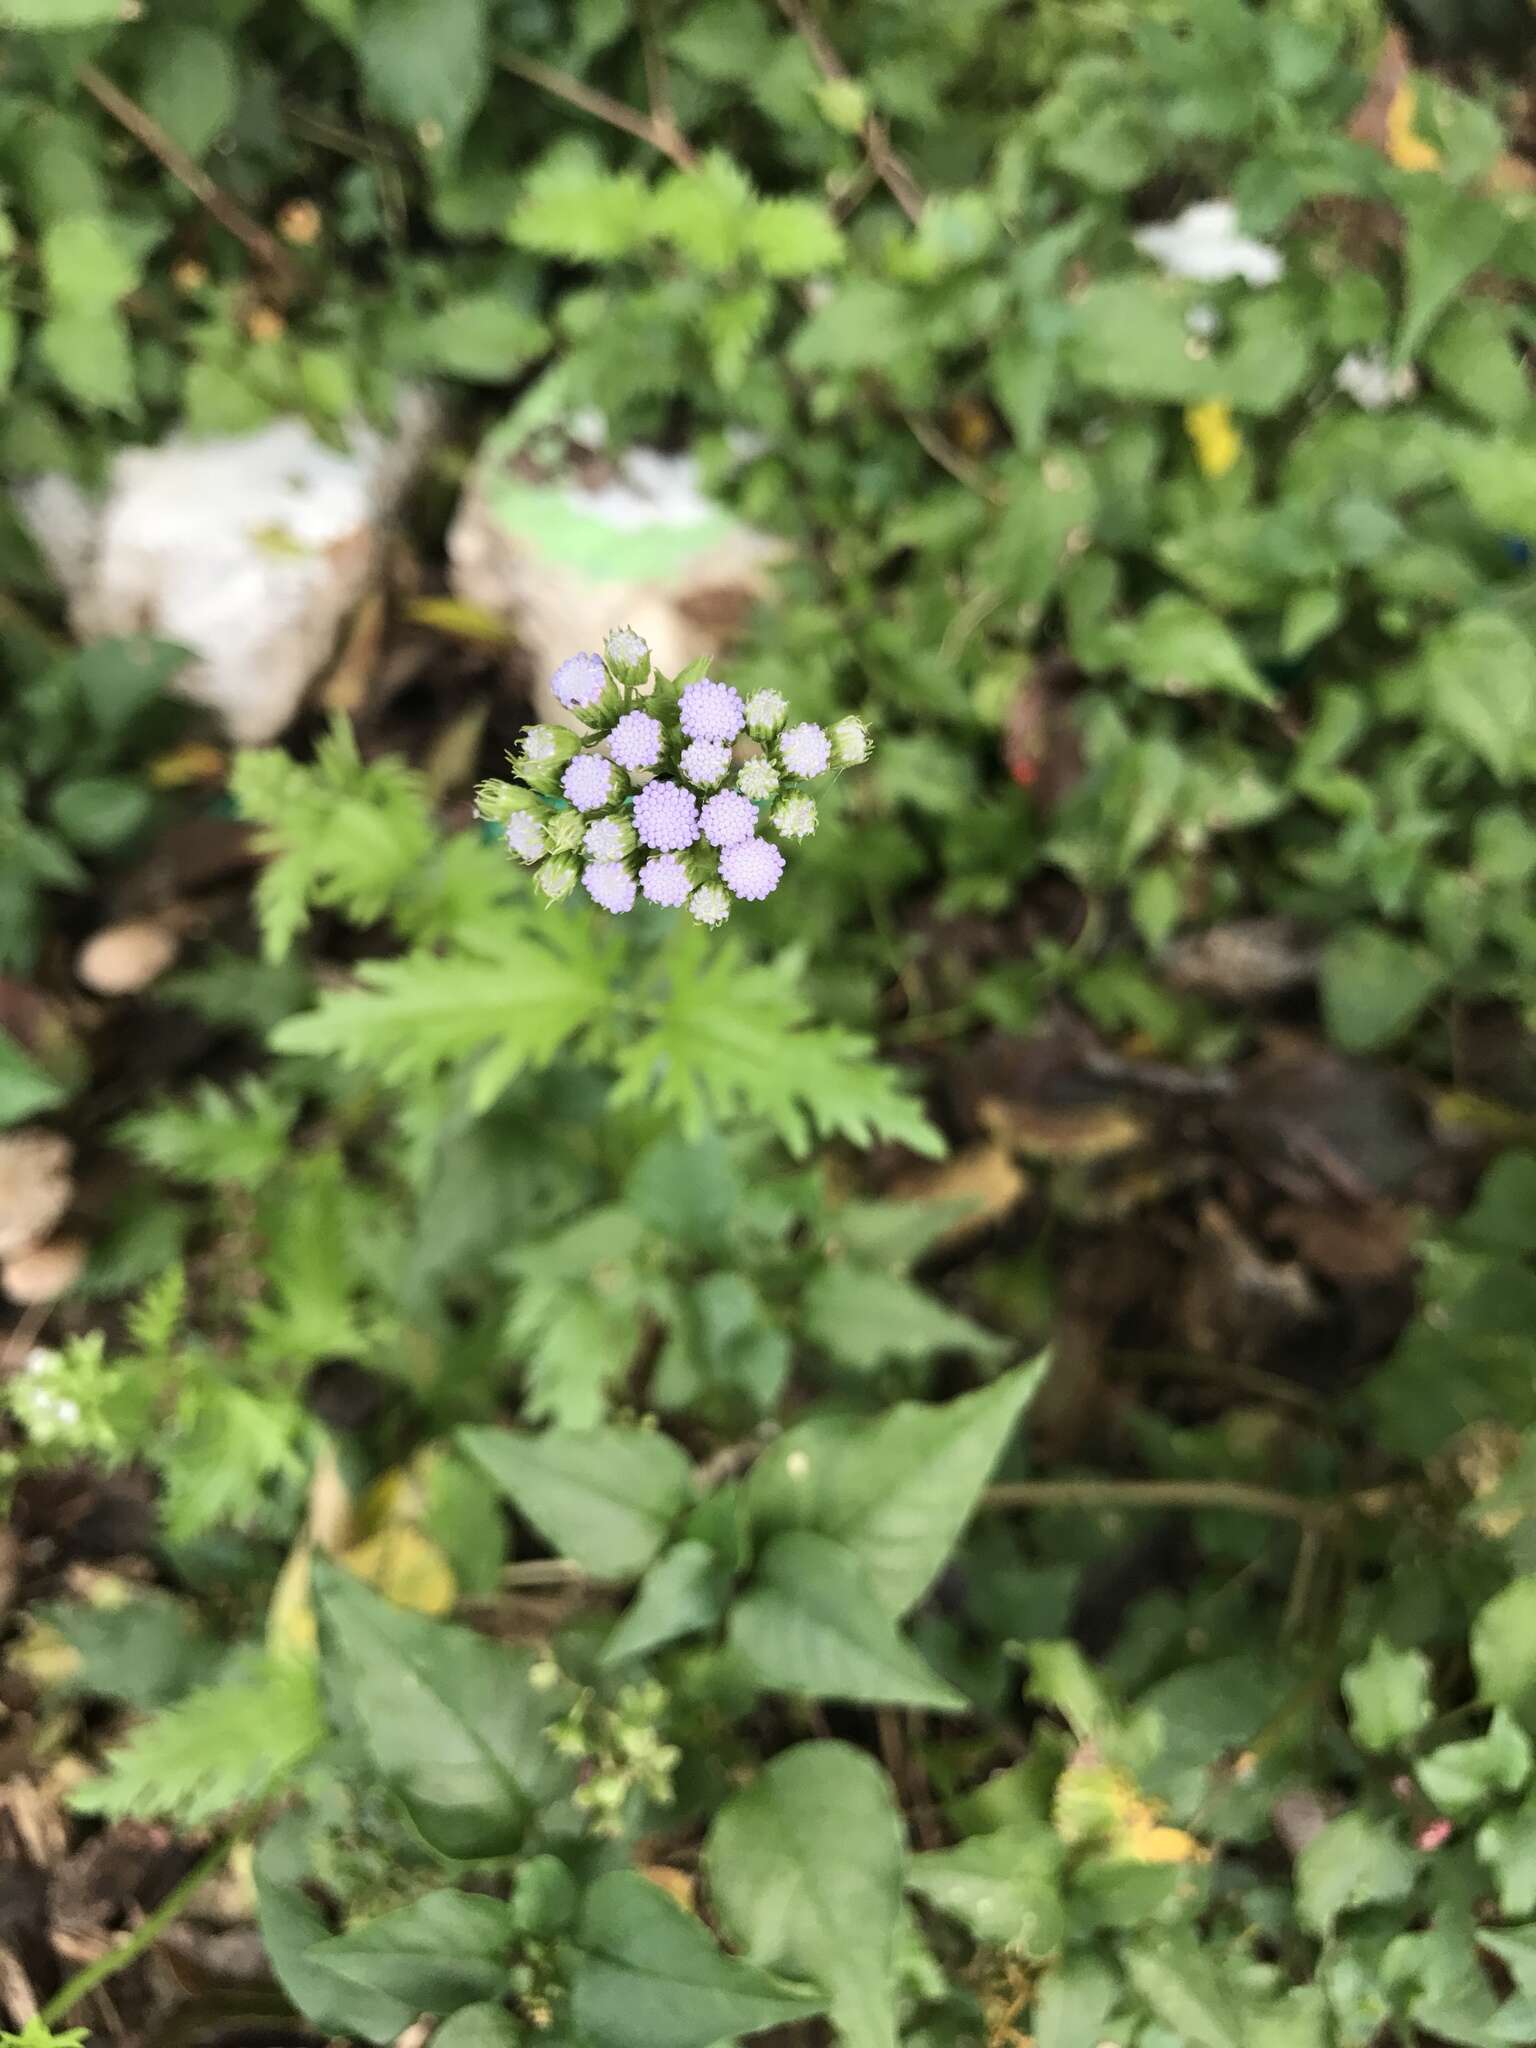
(660, 134)
(888, 165)
(1160, 1493)
(143, 1937)
(227, 211)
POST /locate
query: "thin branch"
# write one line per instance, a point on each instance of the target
(661, 134)
(228, 212)
(889, 166)
(1162, 1493)
(943, 451)
(144, 1936)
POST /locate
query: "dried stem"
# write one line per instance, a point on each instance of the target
(660, 131)
(228, 212)
(889, 165)
(1163, 1493)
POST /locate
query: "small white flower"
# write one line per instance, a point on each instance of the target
(710, 905)
(795, 818)
(850, 742)
(1206, 245)
(1372, 382)
(525, 837)
(766, 712)
(540, 743)
(758, 779)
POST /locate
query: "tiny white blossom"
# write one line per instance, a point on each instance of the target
(1372, 382)
(1206, 245)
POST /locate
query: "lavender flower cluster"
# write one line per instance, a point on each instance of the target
(684, 793)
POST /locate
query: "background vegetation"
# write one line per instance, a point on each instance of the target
(955, 1464)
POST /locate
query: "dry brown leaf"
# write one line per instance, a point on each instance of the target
(984, 1175)
(1349, 1244)
(1077, 1132)
(345, 688)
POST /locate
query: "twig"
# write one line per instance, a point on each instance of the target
(661, 134)
(889, 166)
(944, 452)
(658, 86)
(1162, 1493)
(228, 212)
(143, 1936)
(546, 1571)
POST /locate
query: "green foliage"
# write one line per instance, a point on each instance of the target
(78, 732)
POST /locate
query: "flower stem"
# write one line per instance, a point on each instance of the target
(1160, 1493)
(144, 1936)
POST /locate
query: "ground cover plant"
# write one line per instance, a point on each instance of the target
(953, 1461)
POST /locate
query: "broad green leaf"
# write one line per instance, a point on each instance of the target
(10, 344)
(1354, 1861)
(190, 83)
(810, 1622)
(895, 1491)
(1497, 477)
(645, 1974)
(483, 336)
(1128, 337)
(483, 2026)
(604, 1497)
(1449, 235)
(89, 352)
(1471, 355)
(98, 813)
(1005, 1887)
(1075, 1999)
(1180, 1981)
(1183, 649)
(425, 63)
(1478, 677)
(1507, 1846)
(292, 1928)
(59, 14)
(440, 1952)
(86, 265)
(865, 1317)
(1388, 1695)
(804, 1866)
(683, 1592)
(1504, 1644)
(1460, 1775)
(1374, 986)
(25, 1089)
(451, 1720)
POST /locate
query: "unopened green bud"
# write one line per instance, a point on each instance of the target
(851, 742)
(766, 712)
(565, 830)
(557, 878)
(541, 759)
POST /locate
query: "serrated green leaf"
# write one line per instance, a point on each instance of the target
(451, 1720)
(25, 1088)
(1004, 1886)
(645, 1974)
(794, 237)
(482, 336)
(804, 1865)
(865, 1318)
(1460, 1775)
(1504, 1644)
(1354, 1861)
(606, 1498)
(570, 206)
(809, 1622)
(1374, 986)
(1388, 1695)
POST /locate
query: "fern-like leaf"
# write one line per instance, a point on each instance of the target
(225, 1746)
(514, 1008)
(222, 1135)
(725, 1038)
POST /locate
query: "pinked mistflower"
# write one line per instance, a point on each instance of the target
(666, 817)
(635, 741)
(525, 836)
(795, 818)
(850, 742)
(805, 750)
(727, 818)
(579, 681)
(540, 743)
(766, 711)
(610, 885)
(557, 878)
(608, 839)
(704, 763)
(758, 779)
(625, 648)
(589, 782)
(664, 880)
(710, 905)
(751, 869)
(711, 711)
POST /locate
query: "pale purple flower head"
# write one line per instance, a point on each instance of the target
(664, 880)
(666, 816)
(588, 782)
(579, 681)
(525, 836)
(610, 886)
(711, 711)
(805, 750)
(635, 741)
(704, 763)
(727, 818)
(751, 869)
(710, 905)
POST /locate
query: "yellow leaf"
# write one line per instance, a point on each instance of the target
(1408, 150)
(407, 1568)
(1152, 1843)
(1217, 443)
(195, 762)
(454, 615)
